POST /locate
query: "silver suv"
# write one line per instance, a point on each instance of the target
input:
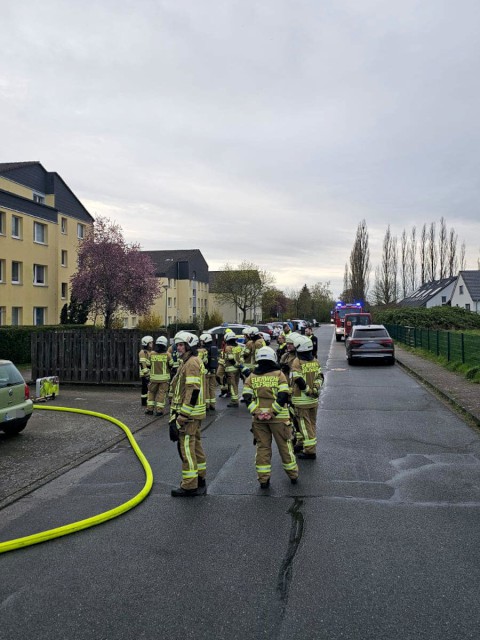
(15, 404)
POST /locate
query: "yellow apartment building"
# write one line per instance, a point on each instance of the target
(41, 225)
(183, 277)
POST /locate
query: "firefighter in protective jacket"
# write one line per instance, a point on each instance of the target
(187, 412)
(210, 361)
(306, 378)
(144, 366)
(160, 365)
(266, 394)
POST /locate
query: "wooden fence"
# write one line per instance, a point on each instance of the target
(97, 357)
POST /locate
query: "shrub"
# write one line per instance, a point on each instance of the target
(151, 322)
(446, 318)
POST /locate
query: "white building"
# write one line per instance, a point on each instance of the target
(466, 293)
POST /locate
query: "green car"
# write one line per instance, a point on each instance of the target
(15, 404)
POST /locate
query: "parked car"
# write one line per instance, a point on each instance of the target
(219, 332)
(15, 404)
(265, 328)
(370, 341)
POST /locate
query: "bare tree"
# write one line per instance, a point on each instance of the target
(461, 260)
(346, 283)
(412, 255)
(423, 255)
(431, 254)
(442, 249)
(243, 287)
(360, 264)
(452, 253)
(404, 263)
(386, 282)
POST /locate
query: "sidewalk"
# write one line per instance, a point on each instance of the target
(453, 387)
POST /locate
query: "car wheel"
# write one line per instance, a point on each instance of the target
(338, 338)
(14, 430)
(350, 360)
(391, 361)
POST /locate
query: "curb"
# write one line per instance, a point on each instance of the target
(451, 401)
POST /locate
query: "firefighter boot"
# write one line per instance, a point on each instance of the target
(184, 493)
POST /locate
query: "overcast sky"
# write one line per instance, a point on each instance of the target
(258, 130)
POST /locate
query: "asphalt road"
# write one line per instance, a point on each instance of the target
(379, 540)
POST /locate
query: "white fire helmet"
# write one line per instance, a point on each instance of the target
(206, 337)
(303, 343)
(162, 340)
(265, 353)
(253, 331)
(290, 337)
(190, 339)
(146, 340)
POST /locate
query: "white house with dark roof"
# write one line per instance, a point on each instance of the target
(466, 293)
(431, 294)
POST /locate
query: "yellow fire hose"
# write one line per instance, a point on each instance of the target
(43, 536)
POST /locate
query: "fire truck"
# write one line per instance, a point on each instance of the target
(338, 316)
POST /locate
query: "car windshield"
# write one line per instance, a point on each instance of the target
(9, 375)
(370, 333)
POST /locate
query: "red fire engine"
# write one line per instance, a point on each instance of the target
(338, 316)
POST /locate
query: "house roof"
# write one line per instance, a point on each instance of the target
(166, 263)
(9, 166)
(472, 282)
(32, 174)
(426, 292)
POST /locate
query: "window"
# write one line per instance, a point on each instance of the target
(2, 270)
(169, 302)
(125, 323)
(2, 315)
(63, 223)
(16, 227)
(64, 258)
(460, 289)
(467, 307)
(64, 290)
(80, 231)
(444, 299)
(38, 197)
(2, 223)
(16, 272)
(39, 232)
(16, 316)
(39, 274)
(39, 315)
(134, 321)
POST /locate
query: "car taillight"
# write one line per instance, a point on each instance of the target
(27, 392)
(386, 343)
(354, 342)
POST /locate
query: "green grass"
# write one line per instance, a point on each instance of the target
(470, 372)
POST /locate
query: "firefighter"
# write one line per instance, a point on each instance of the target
(144, 366)
(254, 343)
(187, 413)
(160, 365)
(309, 333)
(306, 378)
(210, 362)
(282, 345)
(288, 355)
(233, 365)
(287, 329)
(266, 393)
(221, 375)
(174, 364)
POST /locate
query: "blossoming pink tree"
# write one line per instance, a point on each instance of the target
(112, 274)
